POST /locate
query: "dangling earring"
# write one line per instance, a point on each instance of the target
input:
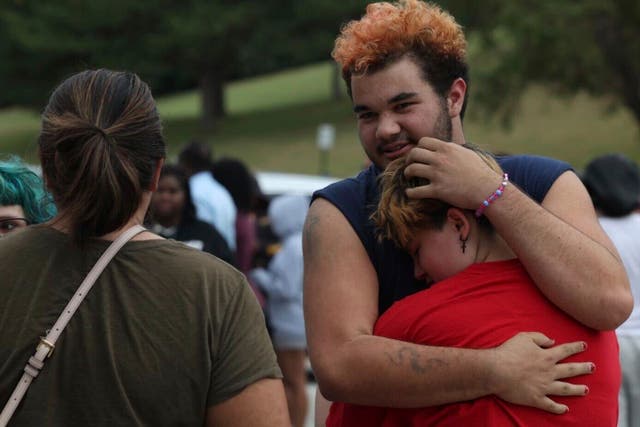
(464, 243)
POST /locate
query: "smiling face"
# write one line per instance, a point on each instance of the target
(395, 107)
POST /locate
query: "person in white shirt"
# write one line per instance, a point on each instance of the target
(213, 202)
(613, 181)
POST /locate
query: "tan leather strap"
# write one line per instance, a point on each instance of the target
(47, 343)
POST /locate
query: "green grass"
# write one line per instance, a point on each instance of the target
(273, 121)
(287, 88)
(574, 130)
(18, 132)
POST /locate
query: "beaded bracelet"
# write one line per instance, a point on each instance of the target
(494, 196)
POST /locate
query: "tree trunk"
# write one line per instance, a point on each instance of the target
(212, 94)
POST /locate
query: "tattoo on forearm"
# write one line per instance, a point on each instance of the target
(408, 356)
(309, 233)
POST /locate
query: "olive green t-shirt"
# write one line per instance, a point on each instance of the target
(165, 332)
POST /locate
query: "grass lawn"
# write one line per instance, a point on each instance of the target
(273, 120)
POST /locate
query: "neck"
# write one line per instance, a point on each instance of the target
(136, 219)
(457, 135)
(491, 247)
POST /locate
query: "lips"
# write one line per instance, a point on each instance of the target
(396, 149)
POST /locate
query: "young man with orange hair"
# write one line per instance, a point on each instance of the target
(405, 67)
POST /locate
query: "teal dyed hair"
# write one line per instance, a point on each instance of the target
(21, 186)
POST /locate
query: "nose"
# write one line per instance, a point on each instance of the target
(388, 127)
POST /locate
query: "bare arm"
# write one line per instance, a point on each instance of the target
(261, 404)
(560, 243)
(566, 252)
(352, 365)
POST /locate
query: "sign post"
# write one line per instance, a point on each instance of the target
(325, 140)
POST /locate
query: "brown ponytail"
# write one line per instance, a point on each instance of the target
(100, 141)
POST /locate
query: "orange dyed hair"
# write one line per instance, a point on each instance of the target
(398, 216)
(390, 31)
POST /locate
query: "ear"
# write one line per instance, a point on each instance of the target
(455, 97)
(156, 175)
(457, 219)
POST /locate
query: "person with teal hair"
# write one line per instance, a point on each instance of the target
(23, 198)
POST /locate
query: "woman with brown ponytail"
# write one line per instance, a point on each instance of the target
(168, 335)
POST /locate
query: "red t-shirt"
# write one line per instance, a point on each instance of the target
(482, 307)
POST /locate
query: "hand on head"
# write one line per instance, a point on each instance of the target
(456, 175)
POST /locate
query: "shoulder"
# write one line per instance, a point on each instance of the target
(181, 271)
(523, 169)
(357, 186)
(193, 260)
(533, 174)
(529, 161)
(23, 242)
(355, 198)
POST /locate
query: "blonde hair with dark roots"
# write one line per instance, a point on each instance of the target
(398, 216)
(390, 31)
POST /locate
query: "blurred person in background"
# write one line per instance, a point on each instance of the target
(613, 181)
(281, 283)
(168, 335)
(213, 202)
(236, 177)
(23, 198)
(173, 216)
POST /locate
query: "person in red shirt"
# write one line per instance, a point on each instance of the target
(480, 296)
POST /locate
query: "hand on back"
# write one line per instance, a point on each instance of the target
(527, 371)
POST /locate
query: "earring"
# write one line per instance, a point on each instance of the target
(464, 243)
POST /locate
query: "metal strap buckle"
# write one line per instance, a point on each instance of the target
(48, 344)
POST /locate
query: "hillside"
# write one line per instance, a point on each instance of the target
(273, 121)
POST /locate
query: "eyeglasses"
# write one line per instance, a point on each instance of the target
(7, 225)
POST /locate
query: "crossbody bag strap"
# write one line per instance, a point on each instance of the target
(47, 343)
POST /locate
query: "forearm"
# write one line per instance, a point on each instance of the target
(582, 276)
(376, 371)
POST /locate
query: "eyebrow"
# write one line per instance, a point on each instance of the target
(402, 96)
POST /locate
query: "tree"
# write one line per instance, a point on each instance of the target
(298, 32)
(207, 37)
(586, 45)
(172, 45)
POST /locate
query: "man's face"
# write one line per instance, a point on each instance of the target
(395, 107)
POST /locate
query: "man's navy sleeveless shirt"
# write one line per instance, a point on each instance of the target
(358, 197)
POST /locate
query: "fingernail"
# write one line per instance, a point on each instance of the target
(584, 346)
(592, 367)
(586, 390)
(566, 409)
